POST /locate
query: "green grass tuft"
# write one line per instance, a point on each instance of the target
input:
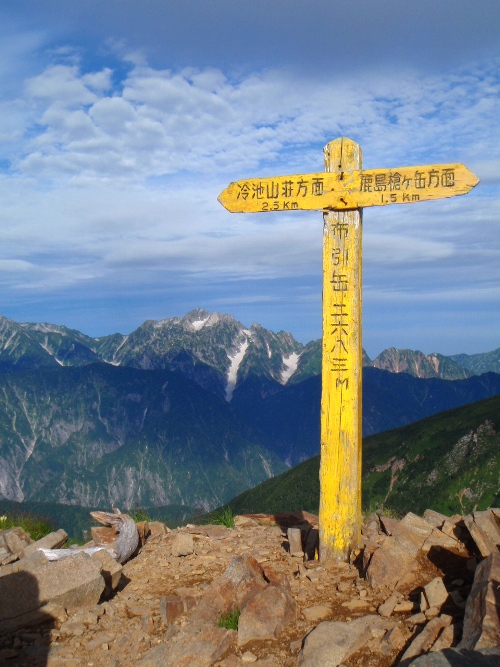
(229, 620)
(223, 518)
(139, 515)
(36, 526)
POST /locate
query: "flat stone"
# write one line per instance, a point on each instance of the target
(242, 579)
(143, 531)
(405, 607)
(388, 524)
(484, 530)
(248, 656)
(446, 639)
(54, 540)
(199, 648)
(294, 539)
(387, 565)
(395, 558)
(356, 604)
(242, 521)
(481, 622)
(85, 616)
(416, 619)
(72, 582)
(171, 607)
(265, 615)
(394, 640)
(411, 533)
(387, 607)
(99, 639)
(317, 613)
(451, 529)
(73, 629)
(332, 642)
(183, 545)
(427, 637)
(435, 593)
(436, 519)
(16, 539)
(231, 660)
(158, 528)
(455, 658)
(111, 570)
(439, 539)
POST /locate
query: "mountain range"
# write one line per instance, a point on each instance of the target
(449, 462)
(214, 350)
(189, 411)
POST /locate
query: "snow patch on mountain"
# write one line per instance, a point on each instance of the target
(45, 346)
(290, 363)
(232, 374)
(198, 324)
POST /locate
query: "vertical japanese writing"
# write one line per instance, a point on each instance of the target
(339, 314)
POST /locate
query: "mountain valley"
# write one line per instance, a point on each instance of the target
(189, 411)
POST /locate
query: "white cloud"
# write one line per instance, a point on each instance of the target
(115, 181)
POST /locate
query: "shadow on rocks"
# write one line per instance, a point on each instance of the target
(25, 624)
(452, 657)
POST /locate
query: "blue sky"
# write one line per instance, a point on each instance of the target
(121, 121)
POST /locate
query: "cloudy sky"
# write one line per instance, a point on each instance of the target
(122, 120)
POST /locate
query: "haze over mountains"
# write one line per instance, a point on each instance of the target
(189, 411)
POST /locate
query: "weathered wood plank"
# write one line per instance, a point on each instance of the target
(348, 189)
(121, 550)
(340, 468)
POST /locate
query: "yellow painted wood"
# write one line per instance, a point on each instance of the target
(340, 467)
(348, 189)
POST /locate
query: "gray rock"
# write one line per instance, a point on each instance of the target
(436, 519)
(242, 579)
(294, 539)
(388, 524)
(436, 593)
(481, 622)
(484, 530)
(423, 641)
(265, 615)
(387, 607)
(16, 540)
(183, 545)
(199, 648)
(111, 570)
(71, 583)
(395, 558)
(440, 539)
(332, 642)
(158, 528)
(453, 657)
(51, 541)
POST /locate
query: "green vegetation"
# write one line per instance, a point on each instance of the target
(230, 620)
(77, 521)
(223, 517)
(139, 515)
(36, 526)
(449, 462)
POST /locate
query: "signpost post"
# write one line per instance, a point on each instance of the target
(342, 191)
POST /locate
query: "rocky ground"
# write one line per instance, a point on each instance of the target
(405, 595)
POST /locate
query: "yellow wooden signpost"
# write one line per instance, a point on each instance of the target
(342, 191)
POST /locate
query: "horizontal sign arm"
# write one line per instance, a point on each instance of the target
(349, 189)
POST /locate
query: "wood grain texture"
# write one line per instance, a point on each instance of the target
(348, 189)
(340, 467)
